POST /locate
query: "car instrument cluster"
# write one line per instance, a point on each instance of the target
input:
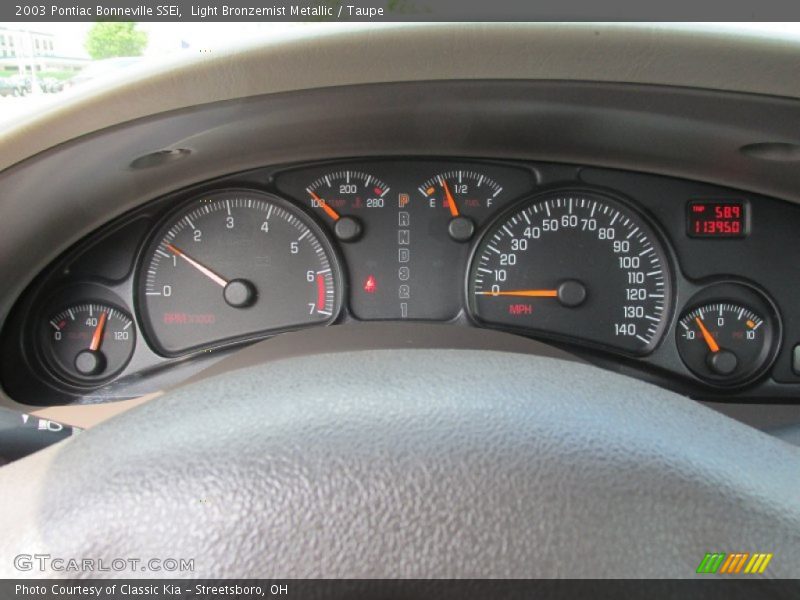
(687, 284)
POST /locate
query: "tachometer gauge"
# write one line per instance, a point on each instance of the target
(232, 265)
(573, 264)
(89, 342)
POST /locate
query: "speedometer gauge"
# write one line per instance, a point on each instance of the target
(232, 265)
(573, 264)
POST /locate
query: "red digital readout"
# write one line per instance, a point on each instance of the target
(717, 219)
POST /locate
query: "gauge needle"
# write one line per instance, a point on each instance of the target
(450, 200)
(712, 343)
(324, 206)
(97, 336)
(524, 293)
(202, 268)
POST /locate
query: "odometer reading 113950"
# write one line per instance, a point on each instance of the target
(573, 264)
(717, 219)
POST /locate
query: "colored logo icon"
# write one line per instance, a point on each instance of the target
(734, 563)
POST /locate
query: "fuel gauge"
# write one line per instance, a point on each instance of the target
(725, 342)
(460, 192)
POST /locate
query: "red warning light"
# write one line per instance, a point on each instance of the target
(370, 285)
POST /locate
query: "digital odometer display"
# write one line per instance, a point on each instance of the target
(573, 264)
(717, 219)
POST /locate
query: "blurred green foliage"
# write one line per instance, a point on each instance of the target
(109, 39)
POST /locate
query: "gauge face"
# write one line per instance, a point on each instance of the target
(341, 196)
(573, 264)
(461, 191)
(724, 342)
(89, 342)
(346, 193)
(234, 265)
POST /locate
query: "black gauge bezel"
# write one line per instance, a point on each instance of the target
(157, 234)
(663, 249)
(746, 294)
(51, 364)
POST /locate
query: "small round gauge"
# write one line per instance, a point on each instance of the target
(89, 342)
(460, 192)
(724, 342)
(573, 264)
(235, 264)
(342, 195)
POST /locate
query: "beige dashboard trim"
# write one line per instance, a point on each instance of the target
(343, 55)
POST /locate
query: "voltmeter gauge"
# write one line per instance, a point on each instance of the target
(725, 342)
(90, 342)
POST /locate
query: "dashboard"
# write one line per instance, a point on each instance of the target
(632, 191)
(677, 282)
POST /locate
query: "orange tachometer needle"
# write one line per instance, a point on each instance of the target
(202, 268)
(450, 201)
(712, 343)
(97, 337)
(524, 293)
(324, 206)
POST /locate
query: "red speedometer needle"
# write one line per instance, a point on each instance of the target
(324, 206)
(202, 268)
(97, 337)
(712, 343)
(450, 200)
(524, 293)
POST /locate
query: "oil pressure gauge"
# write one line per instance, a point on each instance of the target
(90, 342)
(726, 342)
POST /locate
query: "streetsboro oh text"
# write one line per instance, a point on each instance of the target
(167, 589)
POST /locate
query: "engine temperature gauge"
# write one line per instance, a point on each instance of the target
(343, 196)
(90, 342)
(724, 342)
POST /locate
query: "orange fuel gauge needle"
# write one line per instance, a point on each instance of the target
(202, 268)
(710, 341)
(325, 206)
(97, 336)
(450, 200)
